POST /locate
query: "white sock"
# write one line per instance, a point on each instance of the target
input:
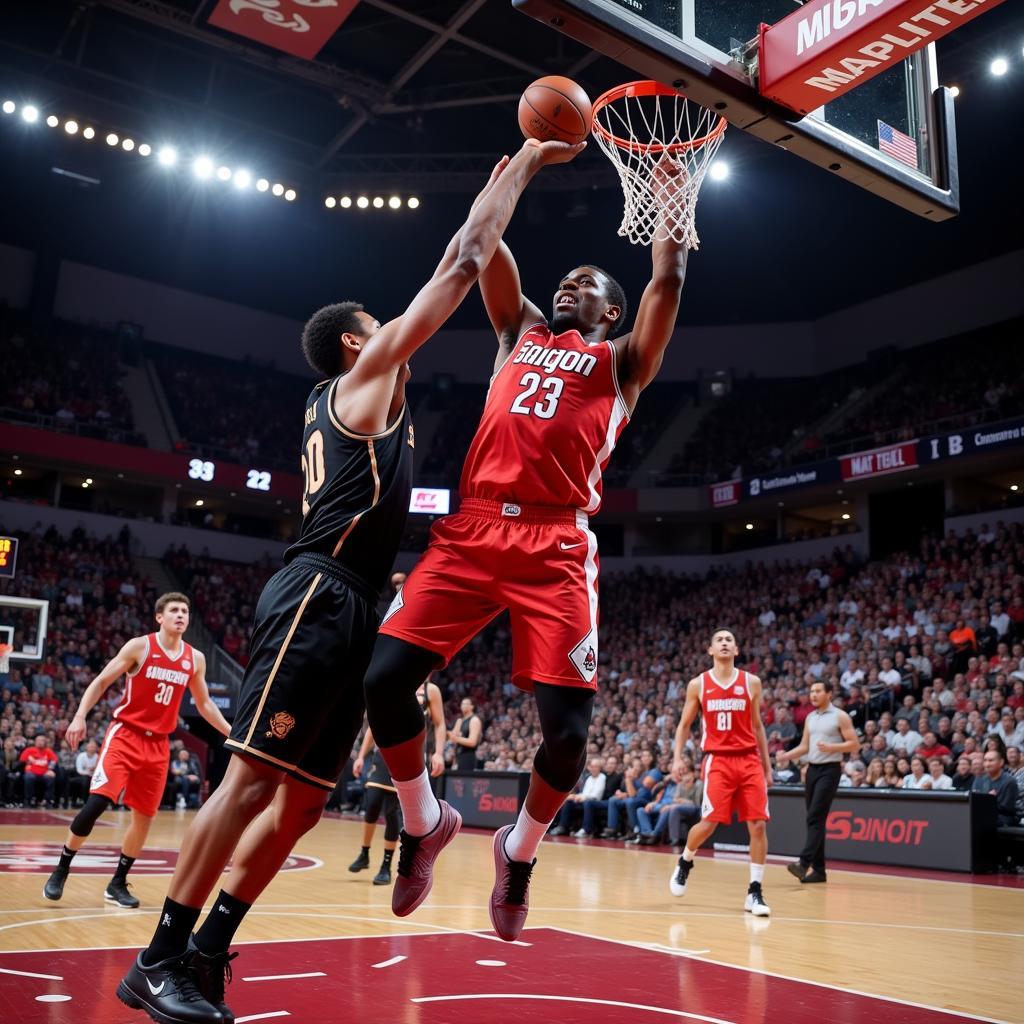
(757, 873)
(522, 842)
(420, 808)
(689, 854)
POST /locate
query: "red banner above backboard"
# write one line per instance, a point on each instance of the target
(894, 458)
(299, 27)
(828, 47)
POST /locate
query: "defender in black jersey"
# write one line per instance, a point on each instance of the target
(301, 702)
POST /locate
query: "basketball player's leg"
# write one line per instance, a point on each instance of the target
(752, 806)
(79, 830)
(373, 805)
(716, 809)
(392, 830)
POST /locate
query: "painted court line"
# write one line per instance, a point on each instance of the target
(29, 974)
(390, 963)
(262, 1016)
(286, 977)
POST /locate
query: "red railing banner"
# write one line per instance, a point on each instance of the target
(299, 27)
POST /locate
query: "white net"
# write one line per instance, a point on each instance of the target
(661, 144)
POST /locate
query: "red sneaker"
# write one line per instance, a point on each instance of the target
(416, 861)
(510, 897)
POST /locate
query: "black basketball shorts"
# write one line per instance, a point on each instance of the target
(301, 702)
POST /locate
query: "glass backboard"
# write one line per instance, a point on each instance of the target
(892, 135)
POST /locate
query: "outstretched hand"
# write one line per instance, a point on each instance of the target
(555, 152)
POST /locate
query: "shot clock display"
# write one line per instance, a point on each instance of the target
(8, 556)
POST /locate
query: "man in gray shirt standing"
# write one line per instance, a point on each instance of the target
(828, 734)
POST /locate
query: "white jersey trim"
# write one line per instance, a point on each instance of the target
(618, 414)
(99, 774)
(145, 658)
(170, 657)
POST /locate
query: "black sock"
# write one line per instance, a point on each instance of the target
(221, 923)
(123, 867)
(365, 852)
(66, 856)
(172, 932)
(388, 854)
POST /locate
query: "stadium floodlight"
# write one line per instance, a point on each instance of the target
(362, 202)
(378, 202)
(145, 149)
(749, 526)
(262, 185)
(10, 106)
(242, 178)
(719, 170)
(954, 91)
(1014, 487)
(90, 133)
(330, 202)
(413, 203)
(52, 121)
(224, 173)
(127, 145)
(200, 502)
(346, 202)
(112, 139)
(278, 189)
(71, 127)
(289, 195)
(30, 114)
(999, 67)
(395, 203)
(846, 515)
(167, 155)
(202, 167)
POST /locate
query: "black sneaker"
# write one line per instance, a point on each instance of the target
(677, 883)
(117, 892)
(797, 870)
(361, 863)
(212, 973)
(813, 877)
(54, 888)
(754, 902)
(383, 877)
(168, 992)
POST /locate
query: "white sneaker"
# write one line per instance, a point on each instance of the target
(754, 903)
(581, 834)
(181, 803)
(680, 874)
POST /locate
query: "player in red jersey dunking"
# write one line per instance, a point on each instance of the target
(135, 755)
(736, 769)
(561, 393)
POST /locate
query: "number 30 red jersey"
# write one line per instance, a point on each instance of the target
(552, 417)
(726, 715)
(153, 694)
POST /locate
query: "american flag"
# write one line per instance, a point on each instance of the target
(896, 143)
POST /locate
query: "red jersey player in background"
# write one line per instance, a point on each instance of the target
(135, 755)
(561, 393)
(736, 769)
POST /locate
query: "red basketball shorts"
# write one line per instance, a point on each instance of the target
(734, 783)
(135, 764)
(539, 563)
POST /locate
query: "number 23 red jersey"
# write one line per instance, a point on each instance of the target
(552, 417)
(153, 694)
(726, 714)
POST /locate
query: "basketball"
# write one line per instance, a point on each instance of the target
(555, 108)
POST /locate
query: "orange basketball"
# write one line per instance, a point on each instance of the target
(555, 108)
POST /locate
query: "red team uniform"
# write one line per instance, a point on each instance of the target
(733, 773)
(135, 755)
(521, 538)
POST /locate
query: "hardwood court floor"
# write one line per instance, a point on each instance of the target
(943, 943)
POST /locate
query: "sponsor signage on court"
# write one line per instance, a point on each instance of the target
(486, 799)
(894, 458)
(828, 47)
(299, 27)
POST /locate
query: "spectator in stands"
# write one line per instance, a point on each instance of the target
(685, 809)
(65, 774)
(964, 643)
(40, 772)
(652, 817)
(939, 779)
(1015, 766)
(906, 741)
(11, 770)
(85, 765)
(592, 809)
(998, 782)
(592, 788)
(932, 748)
(875, 775)
(1009, 730)
(185, 779)
(892, 777)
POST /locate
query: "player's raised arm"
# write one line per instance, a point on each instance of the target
(126, 660)
(507, 308)
(690, 710)
(644, 347)
(201, 695)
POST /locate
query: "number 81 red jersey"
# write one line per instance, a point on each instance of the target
(553, 414)
(727, 724)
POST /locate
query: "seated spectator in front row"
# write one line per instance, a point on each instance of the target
(85, 765)
(939, 779)
(40, 772)
(591, 789)
(185, 777)
(593, 809)
(998, 782)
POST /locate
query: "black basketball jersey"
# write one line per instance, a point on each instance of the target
(356, 494)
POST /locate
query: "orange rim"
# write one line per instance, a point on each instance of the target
(647, 88)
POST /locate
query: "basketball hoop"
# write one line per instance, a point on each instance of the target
(661, 144)
(5, 658)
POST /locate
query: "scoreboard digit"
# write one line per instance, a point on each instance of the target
(8, 556)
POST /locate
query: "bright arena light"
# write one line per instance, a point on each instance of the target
(112, 139)
(998, 67)
(290, 195)
(378, 202)
(127, 145)
(145, 149)
(242, 179)
(413, 203)
(330, 202)
(224, 173)
(278, 189)
(262, 185)
(395, 203)
(846, 515)
(749, 526)
(202, 167)
(362, 202)
(90, 133)
(199, 503)
(167, 155)
(346, 202)
(71, 127)
(10, 106)
(53, 120)
(30, 114)
(719, 170)
(954, 91)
